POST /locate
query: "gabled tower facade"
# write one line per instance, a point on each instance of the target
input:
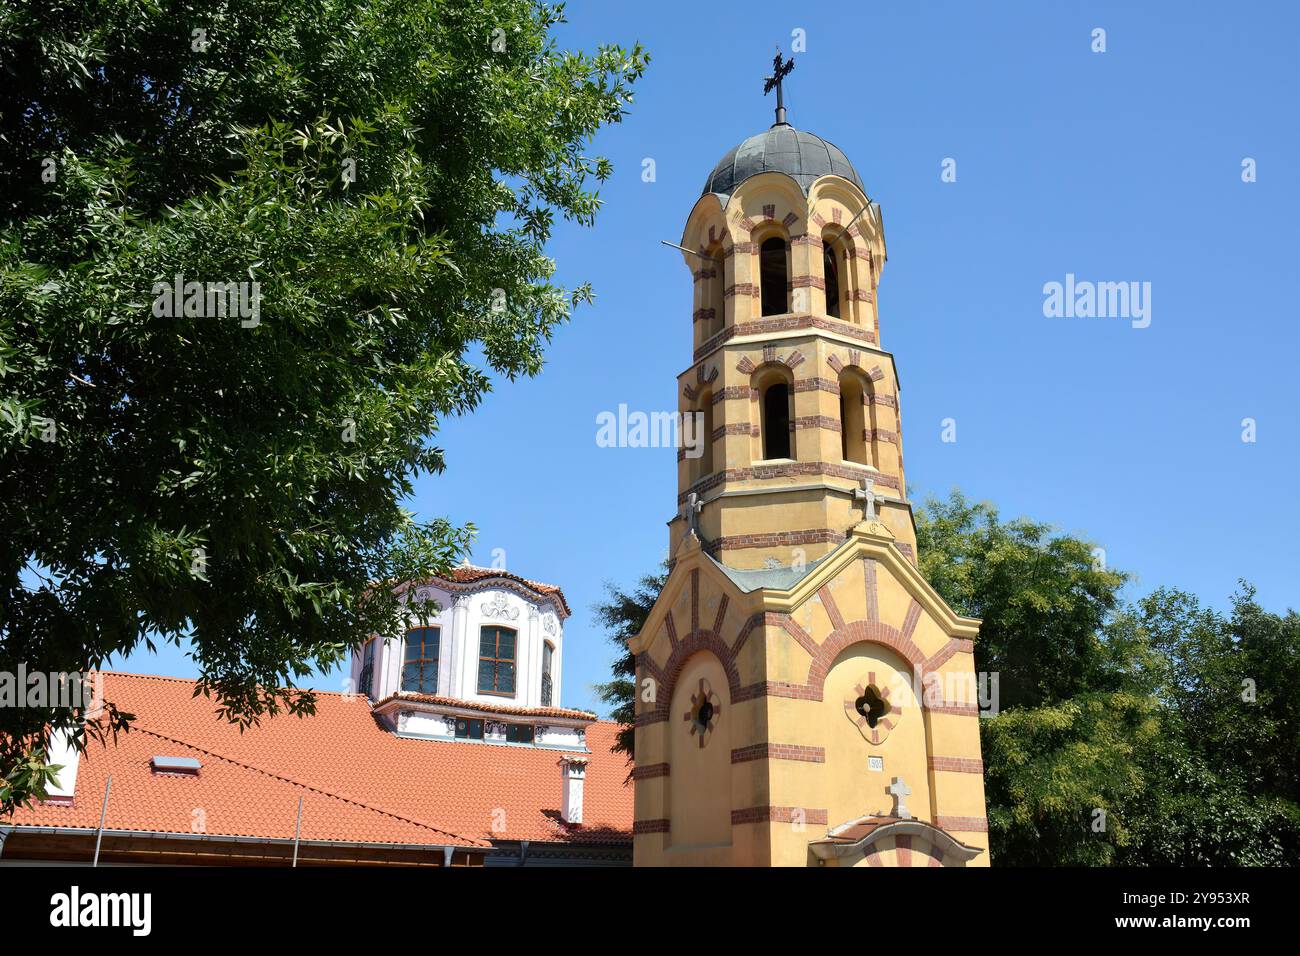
(805, 698)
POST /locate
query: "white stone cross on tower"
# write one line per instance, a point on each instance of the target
(868, 497)
(900, 790)
(692, 509)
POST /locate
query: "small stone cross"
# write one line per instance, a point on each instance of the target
(900, 790)
(868, 497)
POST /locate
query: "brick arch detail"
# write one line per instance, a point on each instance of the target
(861, 632)
(822, 655)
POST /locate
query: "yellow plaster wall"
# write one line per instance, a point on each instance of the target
(762, 511)
(699, 802)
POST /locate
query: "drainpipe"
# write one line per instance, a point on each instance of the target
(103, 811)
(297, 833)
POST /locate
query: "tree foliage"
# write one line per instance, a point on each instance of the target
(1158, 733)
(623, 614)
(388, 172)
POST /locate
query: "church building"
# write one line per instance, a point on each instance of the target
(805, 698)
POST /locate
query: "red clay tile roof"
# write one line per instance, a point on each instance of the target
(469, 574)
(487, 708)
(361, 783)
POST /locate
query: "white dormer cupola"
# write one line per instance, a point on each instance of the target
(486, 666)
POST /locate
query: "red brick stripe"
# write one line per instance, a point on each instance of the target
(779, 752)
(913, 616)
(649, 771)
(957, 764)
(788, 323)
(903, 844)
(802, 637)
(722, 614)
(956, 645)
(869, 571)
(775, 539)
(771, 814)
(832, 609)
(650, 826)
(963, 824)
(695, 600)
(793, 470)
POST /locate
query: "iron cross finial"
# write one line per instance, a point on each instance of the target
(780, 70)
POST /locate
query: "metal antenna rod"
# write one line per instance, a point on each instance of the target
(851, 222)
(691, 251)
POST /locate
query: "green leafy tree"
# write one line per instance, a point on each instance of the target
(1043, 597)
(387, 172)
(1061, 754)
(623, 614)
(1224, 781)
(1154, 734)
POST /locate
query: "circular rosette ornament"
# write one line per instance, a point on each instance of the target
(870, 710)
(703, 715)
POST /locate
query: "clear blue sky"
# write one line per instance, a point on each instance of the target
(1118, 166)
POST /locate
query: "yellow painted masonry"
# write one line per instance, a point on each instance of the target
(843, 409)
(804, 697)
(787, 756)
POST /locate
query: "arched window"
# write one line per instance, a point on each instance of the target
(420, 663)
(772, 276)
(548, 652)
(831, 270)
(704, 425)
(367, 675)
(776, 420)
(853, 419)
(713, 300)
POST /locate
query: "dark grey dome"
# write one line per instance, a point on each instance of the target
(781, 149)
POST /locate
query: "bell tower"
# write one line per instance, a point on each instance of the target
(791, 393)
(804, 697)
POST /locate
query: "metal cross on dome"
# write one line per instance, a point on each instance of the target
(780, 70)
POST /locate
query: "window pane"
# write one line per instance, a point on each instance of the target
(486, 671)
(411, 677)
(412, 645)
(476, 730)
(487, 642)
(506, 645)
(506, 678)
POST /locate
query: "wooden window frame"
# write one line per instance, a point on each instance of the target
(497, 662)
(422, 662)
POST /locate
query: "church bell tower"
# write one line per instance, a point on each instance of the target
(804, 696)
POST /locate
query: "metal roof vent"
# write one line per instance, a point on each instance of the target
(183, 765)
